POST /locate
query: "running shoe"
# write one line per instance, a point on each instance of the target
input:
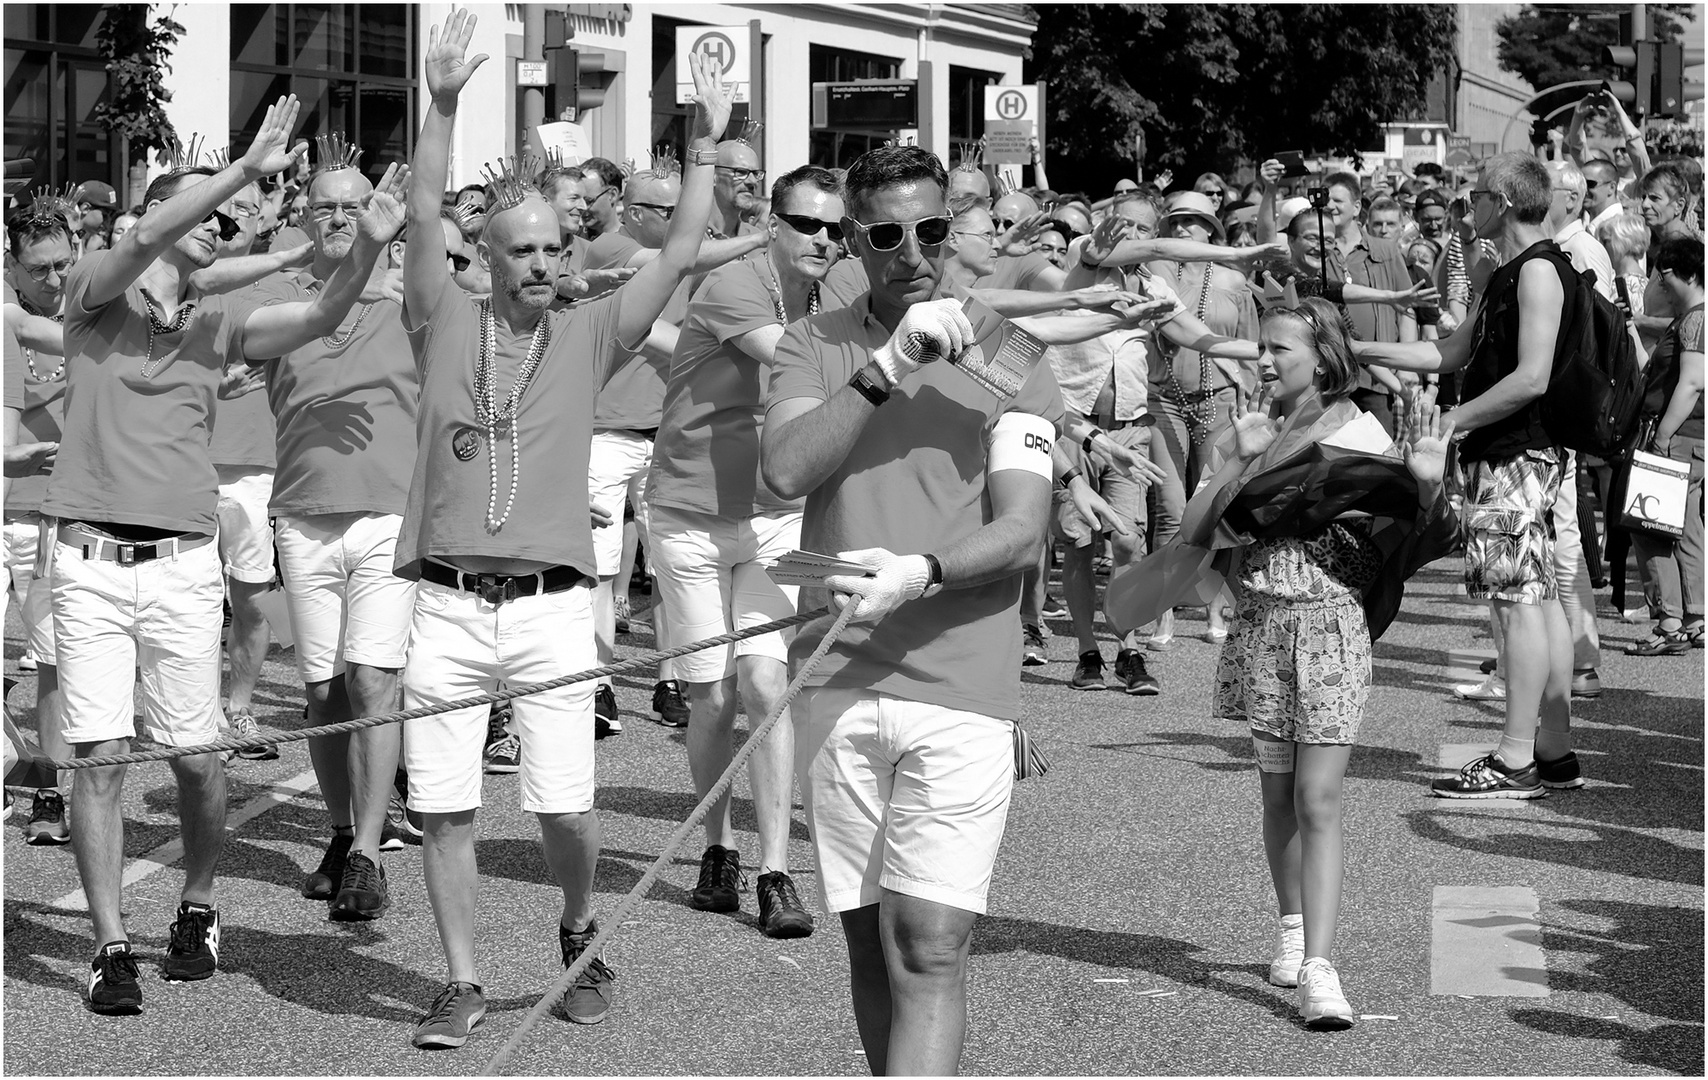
(780, 912)
(454, 1013)
(1054, 608)
(1033, 654)
(243, 726)
(47, 819)
(623, 614)
(1492, 688)
(606, 722)
(1488, 778)
(1586, 684)
(503, 753)
(28, 661)
(669, 707)
(1088, 673)
(192, 951)
(323, 883)
(363, 893)
(1322, 1005)
(720, 881)
(589, 999)
(113, 986)
(401, 821)
(1134, 677)
(1560, 774)
(1289, 951)
(1664, 643)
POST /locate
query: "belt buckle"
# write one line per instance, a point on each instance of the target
(127, 554)
(496, 591)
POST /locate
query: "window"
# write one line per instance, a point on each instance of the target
(836, 148)
(966, 101)
(351, 65)
(54, 79)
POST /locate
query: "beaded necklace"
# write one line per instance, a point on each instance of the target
(496, 416)
(334, 340)
(186, 312)
(776, 292)
(30, 354)
(1201, 414)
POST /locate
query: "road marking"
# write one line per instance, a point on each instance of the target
(167, 854)
(1485, 942)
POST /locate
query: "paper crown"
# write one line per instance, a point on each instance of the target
(54, 204)
(1275, 295)
(511, 180)
(333, 152)
(177, 155)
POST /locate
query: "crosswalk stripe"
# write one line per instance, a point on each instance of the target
(1485, 942)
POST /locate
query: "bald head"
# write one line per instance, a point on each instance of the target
(969, 182)
(740, 180)
(332, 195)
(648, 201)
(1014, 206)
(521, 246)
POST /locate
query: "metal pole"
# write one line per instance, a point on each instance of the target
(533, 111)
(1639, 22)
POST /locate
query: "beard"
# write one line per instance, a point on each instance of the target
(533, 299)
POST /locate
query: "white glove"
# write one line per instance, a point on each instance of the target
(929, 331)
(896, 580)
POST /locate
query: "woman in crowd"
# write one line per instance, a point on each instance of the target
(1626, 239)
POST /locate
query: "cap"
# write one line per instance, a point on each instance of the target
(1243, 214)
(96, 194)
(1290, 209)
(1195, 204)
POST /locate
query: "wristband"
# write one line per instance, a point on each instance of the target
(1069, 477)
(934, 578)
(871, 391)
(702, 157)
(1092, 434)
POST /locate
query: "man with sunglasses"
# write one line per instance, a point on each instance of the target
(136, 498)
(1601, 193)
(904, 742)
(628, 414)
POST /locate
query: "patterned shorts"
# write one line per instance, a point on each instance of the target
(1506, 519)
(1297, 671)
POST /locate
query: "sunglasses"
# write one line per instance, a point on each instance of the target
(228, 227)
(459, 263)
(888, 235)
(808, 225)
(658, 208)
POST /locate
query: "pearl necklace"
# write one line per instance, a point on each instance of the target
(496, 417)
(334, 340)
(186, 312)
(777, 294)
(30, 354)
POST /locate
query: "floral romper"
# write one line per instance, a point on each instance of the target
(1297, 662)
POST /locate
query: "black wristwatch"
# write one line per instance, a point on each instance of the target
(868, 389)
(934, 580)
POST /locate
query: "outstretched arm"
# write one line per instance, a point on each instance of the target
(228, 274)
(424, 269)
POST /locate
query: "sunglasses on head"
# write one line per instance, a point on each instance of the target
(807, 225)
(888, 235)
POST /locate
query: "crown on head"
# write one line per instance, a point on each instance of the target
(665, 162)
(893, 143)
(750, 130)
(1284, 297)
(220, 158)
(50, 204)
(177, 155)
(464, 214)
(334, 151)
(1004, 186)
(972, 155)
(511, 180)
(554, 158)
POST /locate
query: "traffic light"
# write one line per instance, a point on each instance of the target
(578, 81)
(1656, 86)
(1639, 59)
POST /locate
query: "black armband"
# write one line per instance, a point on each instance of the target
(868, 389)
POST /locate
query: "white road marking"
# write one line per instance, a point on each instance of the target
(167, 854)
(1485, 942)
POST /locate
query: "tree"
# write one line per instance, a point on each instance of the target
(1550, 45)
(136, 55)
(1207, 85)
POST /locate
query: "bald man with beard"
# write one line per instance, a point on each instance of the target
(497, 526)
(739, 189)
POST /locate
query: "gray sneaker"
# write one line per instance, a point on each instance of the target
(243, 726)
(454, 1013)
(589, 1000)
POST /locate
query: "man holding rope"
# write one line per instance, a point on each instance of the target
(904, 740)
(497, 525)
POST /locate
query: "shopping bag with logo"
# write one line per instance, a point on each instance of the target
(1654, 494)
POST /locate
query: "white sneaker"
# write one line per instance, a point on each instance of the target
(28, 662)
(1321, 1004)
(1492, 688)
(1289, 953)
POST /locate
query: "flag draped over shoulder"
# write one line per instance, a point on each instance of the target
(1324, 464)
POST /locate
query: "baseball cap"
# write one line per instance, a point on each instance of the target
(97, 194)
(1290, 209)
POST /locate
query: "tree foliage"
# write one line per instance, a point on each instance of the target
(1553, 44)
(136, 53)
(1207, 85)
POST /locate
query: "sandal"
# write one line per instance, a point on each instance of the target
(1664, 643)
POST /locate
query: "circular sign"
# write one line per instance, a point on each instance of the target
(716, 47)
(1011, 105)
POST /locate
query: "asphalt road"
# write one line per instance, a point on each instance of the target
(1129, 927)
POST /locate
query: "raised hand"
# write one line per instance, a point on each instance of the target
(447, 71)
(712, 101)
(272, 152)
(1422, 294)
(385, 214)
(1428, 437)
(1270, 172)
(1107, 233)
(1022, 237)
(242, 379)
(1253, 429)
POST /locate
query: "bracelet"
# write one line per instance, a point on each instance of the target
(871, 391)
(1092, 434)
(702, 157)
(1070, 476)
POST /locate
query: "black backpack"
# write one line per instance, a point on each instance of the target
(1595, 394)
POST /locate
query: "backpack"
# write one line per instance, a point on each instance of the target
(1595, 394)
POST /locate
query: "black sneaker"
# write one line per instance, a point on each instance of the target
(503, 752)
(1088, 675)
(113, 989)
(669, 707)
(1033, 651)
(1054, 608)
(780, 912)
(1487, 778)
(363, 893)
(606, 723)
(589, 999)
(47, 819)
(720, 881)
(1130, 669)
(454, 1013)
(193, 949)
(1561, 773)
(323, 883)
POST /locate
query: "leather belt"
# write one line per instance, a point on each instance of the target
(94, 545)
(496, 589)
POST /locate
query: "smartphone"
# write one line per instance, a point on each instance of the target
(1294, 163)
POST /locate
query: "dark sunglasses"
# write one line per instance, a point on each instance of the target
(459, 263)
(888, 235)
(228, 227)
(807, 225)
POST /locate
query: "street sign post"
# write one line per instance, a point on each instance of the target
(729, 47)
(1010, 123)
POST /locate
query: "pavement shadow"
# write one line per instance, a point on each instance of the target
(1603, 848)
(1368, 762)
(1651, 959)
(675, 806)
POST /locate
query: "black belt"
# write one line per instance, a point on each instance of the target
(498, 588)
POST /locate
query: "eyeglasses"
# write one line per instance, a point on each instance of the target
(1477, 193)
(324, 211)
(607, 190)
(888, 235)
(660, 209)
(987, 237)
(1003, 224)
(756, 175)
(459, 263)
(39, 274)
(807, 225)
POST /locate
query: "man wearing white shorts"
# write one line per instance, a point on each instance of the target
(345, 410)
(904, 741)
(135, 575)
(715, 526)
(498, 530)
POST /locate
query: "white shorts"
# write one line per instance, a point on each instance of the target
(901, 795)
(463, 646)
(163, 616)
(245, 533)
(346, 605)
(616, 470)
(35, 595)
(711, 579)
